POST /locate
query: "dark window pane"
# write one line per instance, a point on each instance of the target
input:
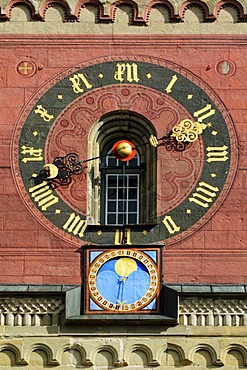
(120, 193)
(120, 181)
(112, 181)
(111, 218)
(133, 162)
(132, 193)
(132, 206)
(120, 206)
(133, 181)
(112, 206)
(112, 161)
(132, 218)
(112, 193)
(120, 219)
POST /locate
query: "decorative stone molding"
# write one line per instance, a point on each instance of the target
(25, 311)
(132, 354)
(212, 312)
(200, 340)
(106, 10)
(199, 312)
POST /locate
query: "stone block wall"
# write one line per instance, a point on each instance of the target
(33, 254)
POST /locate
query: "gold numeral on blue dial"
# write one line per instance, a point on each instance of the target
(169, 87)
(43, 112)
(77, 81)
(34, 155)
(204, 113)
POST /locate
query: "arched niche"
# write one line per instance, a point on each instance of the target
(71, 357)
(112, 127)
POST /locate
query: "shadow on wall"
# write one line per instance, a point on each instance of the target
(122, 10)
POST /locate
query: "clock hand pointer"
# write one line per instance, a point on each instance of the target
(59, 172)
(181, 135)
(121, 282)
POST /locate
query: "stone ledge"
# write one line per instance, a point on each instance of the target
(209, 288)
(180, 288)
(35, 288)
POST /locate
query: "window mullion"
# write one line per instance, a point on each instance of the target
(122, 193)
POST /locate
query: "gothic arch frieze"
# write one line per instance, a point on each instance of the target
(232, 4)
(118, 352)
(107, 13)
(207, 17)
(63, 4)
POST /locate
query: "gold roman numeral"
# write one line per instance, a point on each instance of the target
(43, 113)
(123, 236)
(79, 80)
(169, 87)
(204, 113)
(35, 154)
(217, 154)
(75, 225)
(171, 225)
(42, 194)
(127, 72)
(204, 194)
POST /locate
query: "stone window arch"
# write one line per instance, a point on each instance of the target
(112, 127)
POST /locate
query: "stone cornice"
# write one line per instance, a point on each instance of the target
(107, 10)
(140, 40)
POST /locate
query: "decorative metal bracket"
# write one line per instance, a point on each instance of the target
(59, 172)
(181, 135)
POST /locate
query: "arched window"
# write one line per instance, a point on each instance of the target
(121, 194)
(121, 190)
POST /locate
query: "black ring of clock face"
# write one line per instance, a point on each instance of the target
(219, 142)
(123, 280)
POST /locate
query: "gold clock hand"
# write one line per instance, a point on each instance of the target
(62, 168)
(186, 131)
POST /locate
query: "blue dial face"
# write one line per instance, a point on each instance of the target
(123, 280)
(129, 280)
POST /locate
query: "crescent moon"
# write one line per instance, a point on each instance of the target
(52, 170)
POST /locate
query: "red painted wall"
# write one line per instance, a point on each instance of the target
(29, 253)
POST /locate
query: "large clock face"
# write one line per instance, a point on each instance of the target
(123, 281)
(191, 185)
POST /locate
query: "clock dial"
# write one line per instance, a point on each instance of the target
(123, 280)
(191, 184)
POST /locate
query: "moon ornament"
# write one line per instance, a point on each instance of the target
(125, 266)
(52, 170)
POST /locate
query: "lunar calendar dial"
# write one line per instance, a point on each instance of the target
(123, 280)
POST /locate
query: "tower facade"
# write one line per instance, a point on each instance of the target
(123, 187)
